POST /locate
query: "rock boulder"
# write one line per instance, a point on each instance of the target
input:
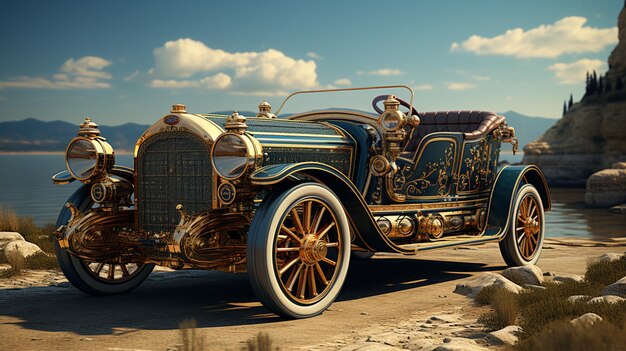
(618, 288)
(23, 249)
(473, 286)
(531, 275)
(606, 188)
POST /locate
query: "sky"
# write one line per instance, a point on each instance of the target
(129, 61)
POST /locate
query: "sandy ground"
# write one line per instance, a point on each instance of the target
(42, 311)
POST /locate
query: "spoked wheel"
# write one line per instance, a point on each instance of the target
(97, 278)
(523, 242)
(112, 272)
(298, 251)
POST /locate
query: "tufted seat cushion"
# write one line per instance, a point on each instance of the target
(474, 124)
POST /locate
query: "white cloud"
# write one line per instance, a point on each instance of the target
(314, 55)
(84, 73)
(423, 87)
(381, 72)
(252, 72)
(481, 78)
(566, 36)
(575, 72)
(459, 86)
(219, 81)
(343, 81)
(131, 76)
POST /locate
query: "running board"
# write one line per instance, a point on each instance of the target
(445, 243)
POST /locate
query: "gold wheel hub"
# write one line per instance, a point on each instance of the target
(312, 250)
(531, 227)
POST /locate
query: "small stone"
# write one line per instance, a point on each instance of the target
(534, 287)
(86, 339)
(610, 299)
(364, 314)
(549, 274)
(389, 338)
(505, 336)
(473, 286)
(618, 288)
(586, 320)
(444, 318)
(524, 275)
(572, 278)
(578, 298)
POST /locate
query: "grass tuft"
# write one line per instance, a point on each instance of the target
(563, 336)
(606, 273)
(18, 264)
(191, 340)
(261, 342)
(505, 309)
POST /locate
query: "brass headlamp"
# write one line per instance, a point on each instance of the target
(88, 156)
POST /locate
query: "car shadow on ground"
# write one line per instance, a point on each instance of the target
(213, 299)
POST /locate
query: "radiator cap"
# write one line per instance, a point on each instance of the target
(179, 108)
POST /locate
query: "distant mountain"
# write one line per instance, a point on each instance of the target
(527, 128)
(32, 135)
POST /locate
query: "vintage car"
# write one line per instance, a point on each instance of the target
(292, 200)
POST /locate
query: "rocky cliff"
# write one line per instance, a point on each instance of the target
(592, 134)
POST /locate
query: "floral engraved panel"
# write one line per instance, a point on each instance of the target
(431, 175)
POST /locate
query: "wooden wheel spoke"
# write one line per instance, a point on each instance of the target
(323, 232)
(99, 268)
(292, 277)
(296, 221)
(308, 206)
(287, 266)
(302, 282)
(288, 249)
(520, 238)
(321, 274)
(332, 244)
(289, 233)
(329, 261)
(521, 219)
(111, 274)
(533, 209)
(124, 270)
(312, 282)
(318, 219)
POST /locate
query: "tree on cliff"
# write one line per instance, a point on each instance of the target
(564, 108)
(571, 101)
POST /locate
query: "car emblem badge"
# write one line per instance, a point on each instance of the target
(171, 120)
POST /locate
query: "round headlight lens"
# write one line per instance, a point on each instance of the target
(230, 156)
(81, 158)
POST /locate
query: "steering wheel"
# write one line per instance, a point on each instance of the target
(380, 98)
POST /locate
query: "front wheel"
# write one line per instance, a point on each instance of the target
(96, 278)
(524, 240)
(299, 250)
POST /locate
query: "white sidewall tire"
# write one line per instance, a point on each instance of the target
(264, 242)
(512, 249)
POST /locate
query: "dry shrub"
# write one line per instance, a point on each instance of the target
(191, 340)
(505, 310)
(17, 262)
(485, 295)
(42, 260)
(261, 342)
(8, 220)
(561, 336)
(606, 273)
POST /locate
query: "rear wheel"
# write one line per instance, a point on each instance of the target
(523, 242)
(299, 250)
(97, 278)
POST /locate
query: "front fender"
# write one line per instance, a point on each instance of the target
(368, 235)
(64, 177)
(503, 194)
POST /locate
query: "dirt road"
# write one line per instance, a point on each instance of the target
(385, 290)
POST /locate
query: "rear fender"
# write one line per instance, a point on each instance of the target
(367, 235)
(507, 182)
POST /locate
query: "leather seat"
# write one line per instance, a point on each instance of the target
(473, 124)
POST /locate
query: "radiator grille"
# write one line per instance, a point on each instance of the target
(172, 168)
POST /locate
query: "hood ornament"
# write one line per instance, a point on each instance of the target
(236, 123)
(88, 129)
(265, 110)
